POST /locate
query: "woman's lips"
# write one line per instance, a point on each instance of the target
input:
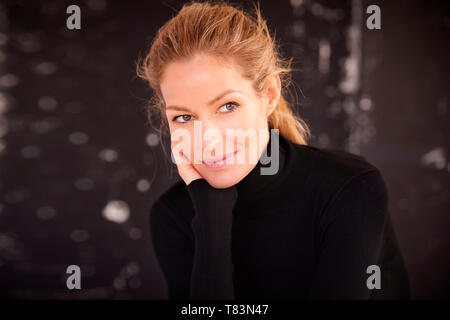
(218, 164)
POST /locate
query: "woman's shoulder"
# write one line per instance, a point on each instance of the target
(325, 172)
(332, 163)
(344, 183)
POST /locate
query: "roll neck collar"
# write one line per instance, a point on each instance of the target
(256, 185)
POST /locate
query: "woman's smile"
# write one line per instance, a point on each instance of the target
(220, 163)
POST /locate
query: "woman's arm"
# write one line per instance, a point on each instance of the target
(354, 233)
(207, 271)
(172, 249)
(212, 270)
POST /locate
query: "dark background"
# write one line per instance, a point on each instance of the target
(80, 167)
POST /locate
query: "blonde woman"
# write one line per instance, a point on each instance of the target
(316, 227)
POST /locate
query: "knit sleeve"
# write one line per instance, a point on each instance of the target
(171, 247)
(212, 269)
(206, 272)
(355, 233)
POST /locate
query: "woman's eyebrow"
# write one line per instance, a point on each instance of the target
(177, 108)
(220, 96)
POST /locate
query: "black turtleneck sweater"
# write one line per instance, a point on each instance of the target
(308, 232)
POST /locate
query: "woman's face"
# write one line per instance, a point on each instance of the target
(204, 98)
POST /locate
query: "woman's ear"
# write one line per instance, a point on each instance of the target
(273, 94)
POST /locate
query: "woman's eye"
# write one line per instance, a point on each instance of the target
(183, 118)
(228, 107)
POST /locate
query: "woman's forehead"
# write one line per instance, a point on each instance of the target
(185, 82)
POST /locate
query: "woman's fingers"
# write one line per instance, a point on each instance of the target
(185, 168)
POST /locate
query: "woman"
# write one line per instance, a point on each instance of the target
(315, 226)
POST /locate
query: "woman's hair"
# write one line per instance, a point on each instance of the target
(225, 32)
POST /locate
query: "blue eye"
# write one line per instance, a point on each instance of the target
(185, 118)
(228, 108)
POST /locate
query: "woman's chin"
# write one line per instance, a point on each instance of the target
(226, 178)
(220, 180)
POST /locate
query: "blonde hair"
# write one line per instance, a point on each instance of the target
(224, 31)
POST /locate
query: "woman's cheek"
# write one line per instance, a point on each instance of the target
(181, 141)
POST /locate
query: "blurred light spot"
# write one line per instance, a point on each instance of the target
(152, 139)
(323, 140)
(45, 125)
(17, 196)
(2, 57)
(97, 5)
(6, 241)
(47, 103)
(9, 80)
(109, 155)
(352, 64)
(317, 9)
(326, 13)
(119, 283)
(28, 42)
(352, 70)
(46, 213)
(435, 158)
(30, 152)
(79, 235)
(362, 119)
(132, 268)
(298, 29)
(143, 185)
(334, 109)
(3, 103)
(135, 233)
(296, 3)
(324, 56)
(78, 138)
(116, 211)
(349, 107)
(365, 104)
(84, 184)
(46, 68)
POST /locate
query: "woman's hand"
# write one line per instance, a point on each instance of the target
(186, 170)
